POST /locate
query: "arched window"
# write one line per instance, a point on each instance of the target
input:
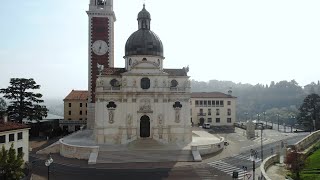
(130, 61)
(144, 59)
(145, 83)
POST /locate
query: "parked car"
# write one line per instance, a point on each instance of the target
(206, 125)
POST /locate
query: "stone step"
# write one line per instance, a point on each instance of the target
(144, 156)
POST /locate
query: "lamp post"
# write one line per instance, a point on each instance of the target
(246, 114)
(253, 157)
(264, 118)
(292, 121)
(261, 128)
(258, 117)
(48, 162)
(278, 121)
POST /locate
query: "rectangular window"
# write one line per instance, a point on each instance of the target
(201, 111)
(217, 112)
(201, 103)
(80, 112)
(69, 112)
(20, 150)
(11, 137)
(217, 103)
(217, 120)
(229, 103)
(205, 103)
(80, 119)
(221, 103)
(69, 104)
(213, 103)
(209, 112)
(209, 103)
(229, 112)
(209, 120)
(80, 104)
(3, 139)
(228, 120)
(197, 103)
(19, 135)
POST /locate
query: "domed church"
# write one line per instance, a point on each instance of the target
(141, 101)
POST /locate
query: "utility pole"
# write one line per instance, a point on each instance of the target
(261, 143)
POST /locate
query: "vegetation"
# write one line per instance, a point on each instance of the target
(295, 162)
(11, 164)
(312, 169)
(3, 107)
(310, 111)
(24, 102)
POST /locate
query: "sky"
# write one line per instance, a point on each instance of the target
(245, 41)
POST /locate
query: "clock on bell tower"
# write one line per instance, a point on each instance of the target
(101, 46)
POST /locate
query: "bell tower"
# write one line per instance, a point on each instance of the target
(100, 47)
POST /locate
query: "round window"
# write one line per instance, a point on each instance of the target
(174, 83)
(114, 83)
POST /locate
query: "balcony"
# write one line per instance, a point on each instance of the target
(202, 114)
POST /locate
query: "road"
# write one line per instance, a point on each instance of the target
(215, 168)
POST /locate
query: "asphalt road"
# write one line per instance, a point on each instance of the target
(207, 170)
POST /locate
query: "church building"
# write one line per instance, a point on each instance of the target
(141, 101)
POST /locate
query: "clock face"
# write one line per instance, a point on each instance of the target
(100, 47)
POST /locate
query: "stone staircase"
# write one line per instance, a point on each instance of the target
(145, 150)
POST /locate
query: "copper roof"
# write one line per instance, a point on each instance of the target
(9, 126)
(210, 95)
(77, 95)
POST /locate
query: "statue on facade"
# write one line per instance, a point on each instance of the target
(160, 126)
(111, 116)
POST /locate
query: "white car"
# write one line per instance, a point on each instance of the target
(206, 125)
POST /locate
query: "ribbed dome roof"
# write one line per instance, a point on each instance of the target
(144, 41)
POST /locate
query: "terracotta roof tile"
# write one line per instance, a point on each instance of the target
(77, 95)
(9, 126)
(210, 95)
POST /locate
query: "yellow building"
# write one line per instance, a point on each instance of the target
(75, 111)
(215, 108)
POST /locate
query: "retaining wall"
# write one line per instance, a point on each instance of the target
(267, 163)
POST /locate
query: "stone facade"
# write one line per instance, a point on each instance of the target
(216, 108)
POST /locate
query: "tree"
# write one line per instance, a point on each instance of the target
(295, 162)
(310, 111)
(11, 163)
(3, 107)
(24, 102)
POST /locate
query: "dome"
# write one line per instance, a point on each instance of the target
(144, 41)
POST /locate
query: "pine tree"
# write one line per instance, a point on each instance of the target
(310, 111)
(3, 107)
(24, 102)
(11, 163)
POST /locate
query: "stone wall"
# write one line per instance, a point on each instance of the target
(209, 148)
(266, 164)
(78, 152)
(306, 142)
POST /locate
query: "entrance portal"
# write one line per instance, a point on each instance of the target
(201, 121)
(145, 126)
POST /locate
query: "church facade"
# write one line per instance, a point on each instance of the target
(143, 100)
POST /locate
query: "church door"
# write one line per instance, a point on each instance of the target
(145, 126)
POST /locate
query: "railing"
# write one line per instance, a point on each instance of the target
(111, 88)
(177, 89)
(202, 114)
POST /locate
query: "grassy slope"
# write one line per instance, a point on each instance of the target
(313, 163)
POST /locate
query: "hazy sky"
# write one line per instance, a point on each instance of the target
(246, 41)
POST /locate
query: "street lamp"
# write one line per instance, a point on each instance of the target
(258, 117)
(253, 158)
(48, 162)
(264, 118)
(292, 121)
(278, 121)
